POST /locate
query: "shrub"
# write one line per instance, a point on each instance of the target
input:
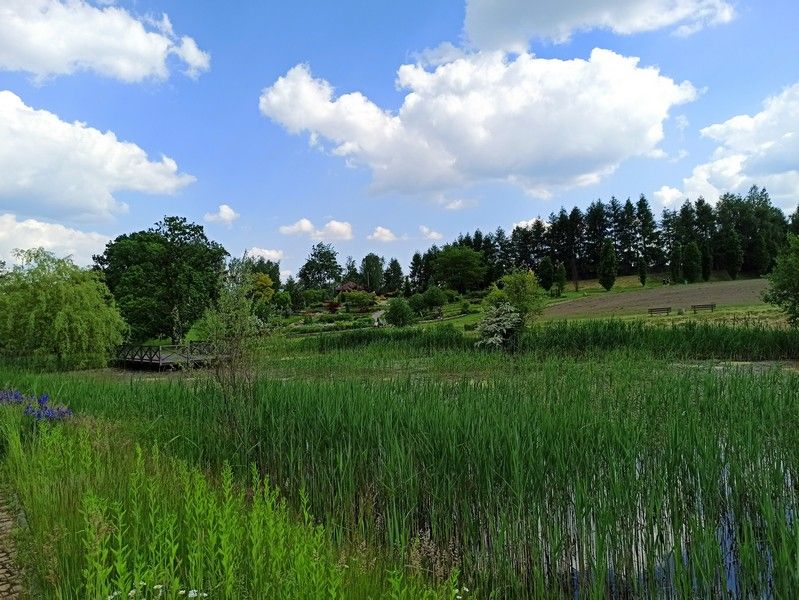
(523, 292)
(546, 273)
(466, 308)
(313, 297)
(358, 301)
(417, 304)
(399, 313)
(434, 298)
(784, 288)
(500, 328)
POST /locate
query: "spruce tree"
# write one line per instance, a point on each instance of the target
(707, 260)
(675, 264)
(546, 273)
(560, 280)
(692, 263)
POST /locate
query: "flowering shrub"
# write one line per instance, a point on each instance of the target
(38, 408)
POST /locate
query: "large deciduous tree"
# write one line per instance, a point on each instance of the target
(372, 272)
(52, 309)
(321, 269)
(460, 268)
(163, 278)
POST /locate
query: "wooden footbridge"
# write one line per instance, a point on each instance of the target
(191, 354)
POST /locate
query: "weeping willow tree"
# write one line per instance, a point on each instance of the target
(54, 312)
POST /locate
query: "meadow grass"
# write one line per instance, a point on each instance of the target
(534, 475)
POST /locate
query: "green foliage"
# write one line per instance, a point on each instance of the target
(133, 523)
(495, 297)
(466, 307)
(692, 263)
(282, 301)
(733, 252)
(314, 296)
(675, 264)
(393, 279)
(546, 273)
(707, 261)
(607, 265)
(434, 298)
(643, 271)
(321, 268)
(523, 292)
(371, 274)
(399, 313)
(51, 309)
(460, 268)
(500, 328)
(358, 300)
(559, 283)
(784, 281)
(417, 304)
(164, 278)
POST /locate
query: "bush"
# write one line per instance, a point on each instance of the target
(466, 308)
(358, 301)
(434, 298)
(500, 328)
(313, 297)
(399, 313)
(417, 304)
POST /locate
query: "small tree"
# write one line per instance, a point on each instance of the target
(500, 328)
(417, 304)
(358, 301)
(675, 264)
(546, 273)
(399, 313)
(643, 271)
(435, 298)
(692, 263)
(607, 265)
(523, 293)
(560, 280)
(784, 280)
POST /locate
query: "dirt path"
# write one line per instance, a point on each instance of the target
(724, 293)
(10, 588)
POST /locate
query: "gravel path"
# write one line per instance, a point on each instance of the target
(10, 588)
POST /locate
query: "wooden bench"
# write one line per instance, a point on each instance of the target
(697, 307)
(666, 310)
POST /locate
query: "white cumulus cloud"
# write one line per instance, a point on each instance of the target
(332, 230)
(759, 149)
(59, 37)
(511, 24)
(541, 124)
(61, 240)
(382, 234)
(224, 214)
(273, 255)
(429, 234)
(50, 166)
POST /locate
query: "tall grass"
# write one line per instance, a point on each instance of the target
(534, 476)
(688, 340)
(106, 519)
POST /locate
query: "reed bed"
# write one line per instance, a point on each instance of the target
(105, 519)
(533, 476)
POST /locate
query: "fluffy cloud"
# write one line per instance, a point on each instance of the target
(669, 196)
(429, 234)
(54, 167)
(760, 149)
(332, 230)
(273, 255)
(59, 37)
(61, 240)
(224, 214)
(381, 234)
(538, 123)
(511, 24)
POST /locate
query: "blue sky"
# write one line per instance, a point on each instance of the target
(292, 117)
